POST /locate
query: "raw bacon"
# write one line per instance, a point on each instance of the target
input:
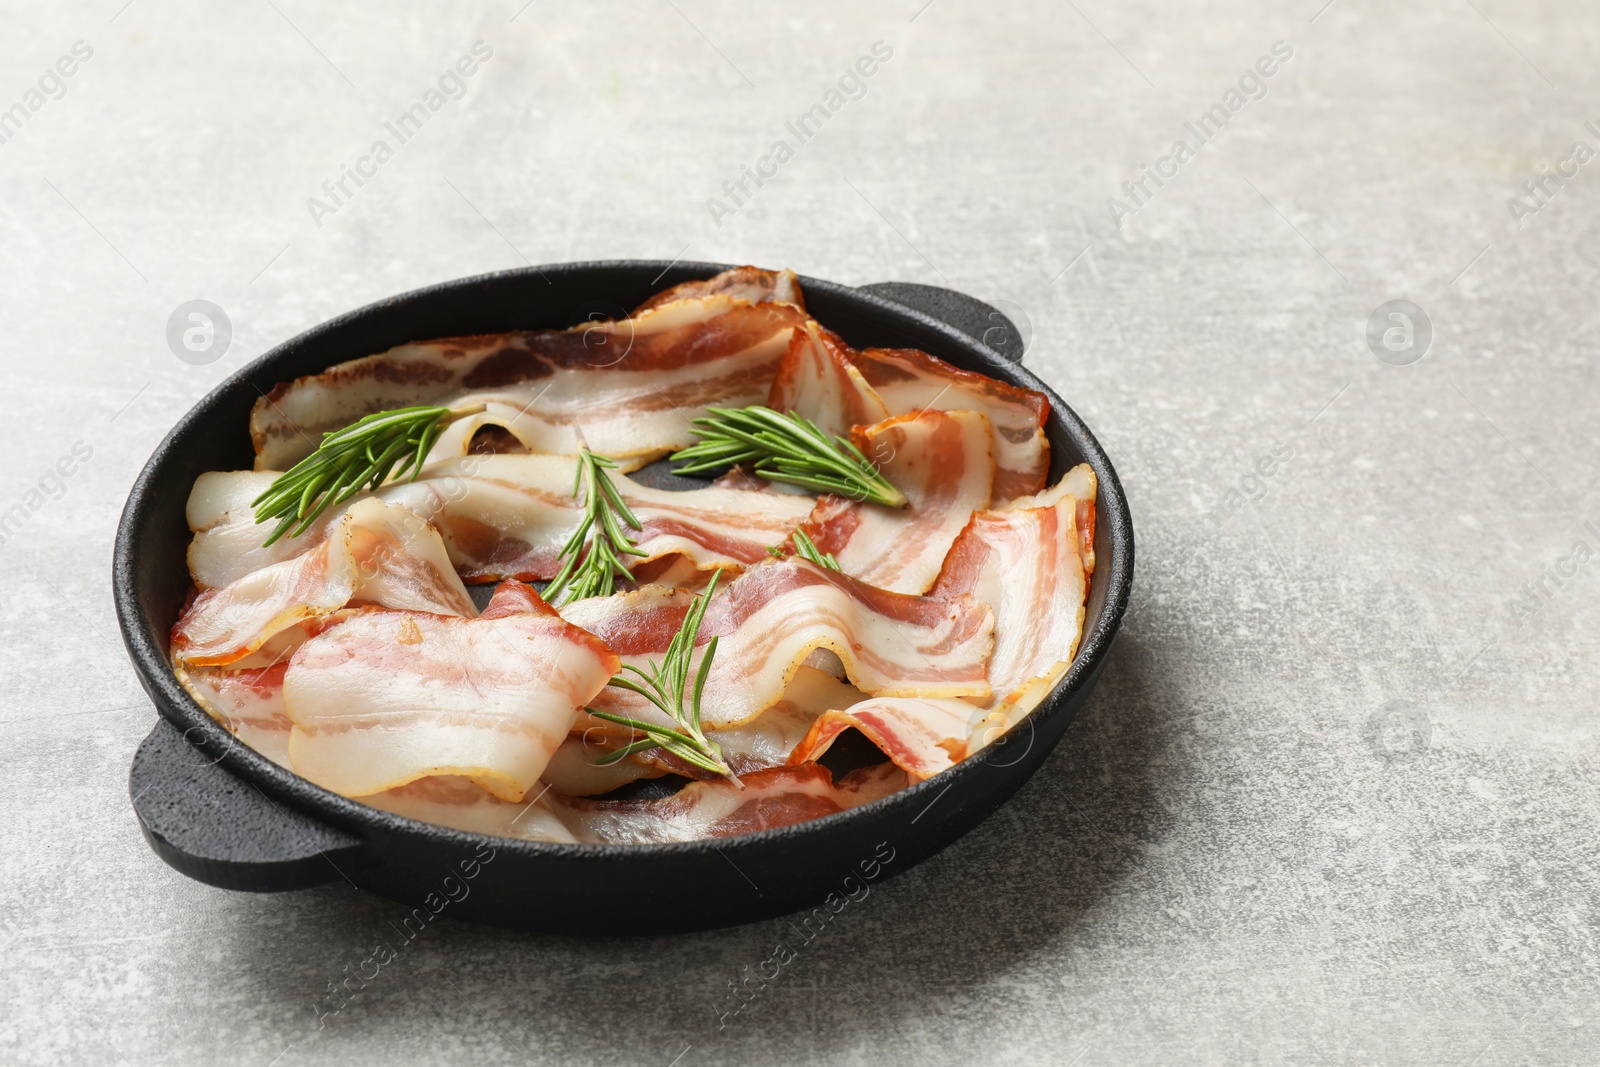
(375, 554)
(388, 697)
(248, 702)
(922, 737)
(943, 463)
(910, 380)
(764, 741)
(839, 388)
(506, 517)
(625, 389)
(779, 796)
(745, 283)
(353, 655)
(1029, 564)
(773, 616)
(818, 378)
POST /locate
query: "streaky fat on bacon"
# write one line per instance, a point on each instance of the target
(943, 462)
(1031, 563)
(776, 614)
(766, 740)
(626, 389)
(818, 378)
(920, 736)
(388, 697)
(744, 283)
(249, 702)
(506, 516)
(910, 380)
(763, 742)
(375, 554)
(839, 388)
(770, 798)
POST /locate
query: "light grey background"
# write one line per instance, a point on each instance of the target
(1335, 799)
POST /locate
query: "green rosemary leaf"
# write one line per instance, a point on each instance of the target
(593, 556)
(360, 456)
(700, 682)
(663, 684)
(623, 753)
(807, 549)
(785, 448)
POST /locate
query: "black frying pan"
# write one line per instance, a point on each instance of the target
(223, 814)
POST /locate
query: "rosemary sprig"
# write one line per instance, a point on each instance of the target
(360, 456)
(786, 448)
(663, 685)
(595, 572)
(807, 550)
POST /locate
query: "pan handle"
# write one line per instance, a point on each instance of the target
(221, 830)
(982, 322)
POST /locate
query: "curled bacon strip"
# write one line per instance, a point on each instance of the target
(374, 554)
(1030, 562)
(922, 737)
(773, 616)
(249, 702)
(819, 378)
(839, 388)
(943, 463)
(625, 389)
(745, 283)
(508, 517)
(388, 697)
(910, 380)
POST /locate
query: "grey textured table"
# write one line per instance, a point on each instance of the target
(1335, 800)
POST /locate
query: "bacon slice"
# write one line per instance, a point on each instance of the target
(838, 388)
(744, 283)
(1030, 564)
(818, 378)
(910, 380)
(779, 796)
(508, 516)
(763, 742)
(769, 738)
(375, 554)
(1078, 483)
(388, 697)
(504, 517)
(626, 389)
(248, 702)
(461, 804)
(943, 463)
(574, 770)
(227, 542)
(922, 737)
(774, 615)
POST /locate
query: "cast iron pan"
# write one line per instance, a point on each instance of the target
(224, 815)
